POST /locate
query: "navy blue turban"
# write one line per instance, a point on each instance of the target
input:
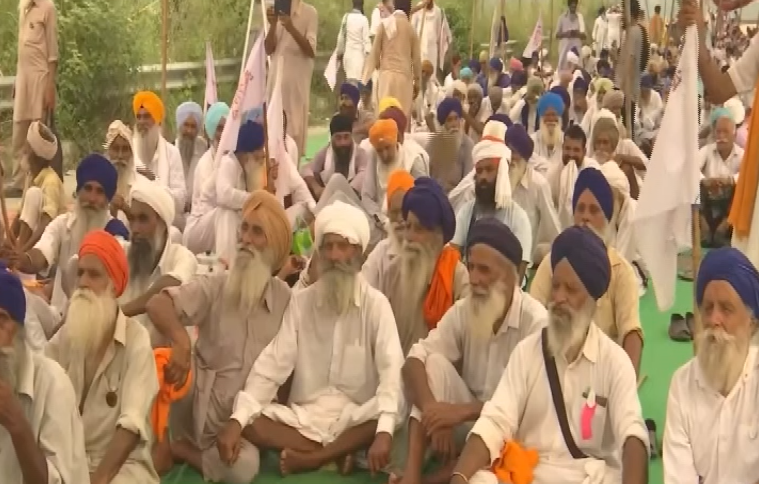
(587, 254)
(365, 87)
(501, 118)
(595, 181)
(340, 124)
(550, 100)
(250, 138)
(563, 94)
(12, 297)
(428, 201)
(348, 89)
(494, 233)
(646, 81)
(730, 265)
(474, 65)
(580, 85)
(446, 107)
(518, 80)
(117, 228)
(496, 64)
(97, 168)
(518, 140)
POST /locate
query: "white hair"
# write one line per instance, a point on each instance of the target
(417, 266)
(337, 283)
(485, 307)
(90, 319)
(247, 280)
(567, 328)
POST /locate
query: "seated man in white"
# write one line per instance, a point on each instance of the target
(480, 332)
(42, 320)
(118, 149)
(711, 426)
(346, 403)
(569, 392)
(192, 146)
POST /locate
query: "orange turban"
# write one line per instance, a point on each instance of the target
(276, 225)
(150, 102)
(383, 130)
(427, 67)
(108, 250)
(399, 180)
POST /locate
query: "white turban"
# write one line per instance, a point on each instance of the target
(494, 130)
(616, 177)
(457, 86)
(586, 51)
(40, 146)
(345, 220)
(157, 197)
(572, 58)
(116, 129)
(735, 106)
(488, 149)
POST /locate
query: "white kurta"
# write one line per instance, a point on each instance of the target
(533, 194)
(562, 180)
(714, 166)
(354, 43)
(429, 38)
(169, 171)
(547, 157)
(378, 261)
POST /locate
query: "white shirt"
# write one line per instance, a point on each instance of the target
(200, 184)
(354, 43)
(364, 356)
(709, 438)
(545, 156)
(533, 194)
(713, 166)
(292, 150)
(378, 261)
(169, 171)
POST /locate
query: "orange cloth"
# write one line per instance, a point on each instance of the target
(399, 180)
(108, 250)
(516, 465)
(440, 295)
(159, 416)
(383, 130)
(427, 67)
(274, 222)
(151, 103)
(742, 209)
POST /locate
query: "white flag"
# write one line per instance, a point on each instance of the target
(275, 122)
(445, 42)
(536, 39)
(662, 220)
(330, 72)
(211, 93)
(249, 97)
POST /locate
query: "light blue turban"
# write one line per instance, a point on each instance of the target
(189, 109)
(730, 265)
(720, 112)
(465, 72)
(214, 115)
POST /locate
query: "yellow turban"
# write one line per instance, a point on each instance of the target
(150, 102)
(388, 102)
(383, 130)
(279, 234)
(484, 56)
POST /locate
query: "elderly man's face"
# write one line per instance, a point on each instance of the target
(394, 211)
(8, 329)
(580, 101)
(573, 149)
(251, 234)
(551, 119)
(387, 151)
(347, 106)
(567, 290)
(603, 142)
(190, 128)
(219, 131)
(588, 213)
(475, 98)
(417, 234)
(148, 237)
(336, 250)
(251, 160)
(120, 151)
(724, 133)
(144, 121)
(91, 274)
(144, 222)
(92, 196)
(723, 310)
(487, 267)
(452, 123)
(600, 95)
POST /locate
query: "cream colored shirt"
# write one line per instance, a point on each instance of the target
(378, 261)
(714, 166)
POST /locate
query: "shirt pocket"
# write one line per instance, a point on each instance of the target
(590, 434)
(34, 32)
(353, 373)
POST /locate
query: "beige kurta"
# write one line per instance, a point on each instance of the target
(396, 56)
(225, 351)
(128, 372)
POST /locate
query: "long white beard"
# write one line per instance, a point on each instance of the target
(90, 319)
(395, 235)
(145, 145)
(186, 148)
(550, 134)
(86, 221)
(721, 357)
(484, 307)
(567, 328)
(248, 278)
(124, 171)
(337, 284)
(10, 359)
(417, 265)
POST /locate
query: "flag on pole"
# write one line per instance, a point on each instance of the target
(662, 220)
(211, 95)
(275, 122)
(444, 42)
(536, 39)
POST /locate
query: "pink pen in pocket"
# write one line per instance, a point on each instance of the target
(586, 416)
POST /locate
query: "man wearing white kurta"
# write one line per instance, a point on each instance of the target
(431, 16)
(549, 136)
(352, 402)
(711, 424)
(573, 363)
(353, 42)
(118, 147)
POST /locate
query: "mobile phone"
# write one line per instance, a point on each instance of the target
(283, 7)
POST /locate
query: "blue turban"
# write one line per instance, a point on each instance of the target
(496, 64)
(466, 72)
(720, 112)
(348, 89)
(595, 181)
(117, 228)
(474, 65)
(563, 94)
(730, 265)
(504, 81)
(428, 201)
(446, 107)
(587, 254)
(12, 297)
(550, 100)
(580, 85)
(250, 138)
(518, 140)
(518, 80)
(646, 81)
(214, 115)
(494, 233)
(501, 118)
(189, 109)
(97, 168)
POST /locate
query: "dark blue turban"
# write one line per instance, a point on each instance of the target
(730, 265)
(250, 138)
(594, 180)
(518, 80)
(580, 85)
(117, 228)
(501, 118)
(646, 81)
(494, 233)
(97, 168)
(587, 254)
(504, 81)
(428, 201)
(563, 94)
(496, 64)
(550, 100)
(340, 124)
(474, 64)
(446, 107)
(12, 297)
(518, 140)
(348, 89)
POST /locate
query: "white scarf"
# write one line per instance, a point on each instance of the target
(567, 180)
(329, 164)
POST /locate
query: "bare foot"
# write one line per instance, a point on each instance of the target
(293, 462)
(345, 465)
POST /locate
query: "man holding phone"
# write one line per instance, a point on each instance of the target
(570, 30)
(291, 42)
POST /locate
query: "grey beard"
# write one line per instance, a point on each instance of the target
(186, 149)
(9, 361)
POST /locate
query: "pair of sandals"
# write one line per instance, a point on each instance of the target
(681, 327)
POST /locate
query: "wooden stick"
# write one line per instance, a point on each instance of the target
(696, 259)
(626, 60)
(471, 30)
(550, 40)
(247, 36)
(164, 46)
(642, 379)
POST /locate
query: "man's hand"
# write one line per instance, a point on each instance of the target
(443, 445)
(228, 442)
(379, 452)
(286, 22)
(178, 368)
(146, 172)
(691, 14)
(272, 173)
(271, 16)
(439, 415)
(118, 202)
(11, 413)
(48, 101)
(295, 263)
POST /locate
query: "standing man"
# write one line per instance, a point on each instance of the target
(353, 42)
(429, 37)
(34, 92)
(291, 40)
(570, 30)
(656, 26)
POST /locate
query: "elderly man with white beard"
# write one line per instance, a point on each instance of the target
(340, 405)
(191, 147)
(237, 314)
(42, 440)
(617, 315)
(155, 157)
(710, 433)
(480, 333)
(428, 277)
(525, 110)
(110, 362)
(96, 180)
(549, 137)
(118, 148)
(450, 174)
(569, 392)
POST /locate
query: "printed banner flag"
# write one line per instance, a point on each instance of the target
(536, 39)
(211, 95)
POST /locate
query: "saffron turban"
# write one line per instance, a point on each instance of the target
(189, 109)
(383, 131)
(497, 235)
(351, 92)
(276, 225)
(397, 115)
(12, 297)
(616, 177)
(515, 64)
(446, 107)
(563, 94)
(519, 141)
(156, 197)
(387, 102)
(595, 182)
(214, 115)
(40, 146)
(117, 228)
(110, 253)
(250, 138)
(399, 180)
(97, 168)
(496, 64)
(428, 201)
(340, 123)
(115, 130)
(587, 254)
(501, 118)
(150, 102)
(550, 101)
(345, 220)
(732, 266)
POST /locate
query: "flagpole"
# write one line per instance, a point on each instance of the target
(247, 35)
(626, 53)
(550, 41)
(164, 51)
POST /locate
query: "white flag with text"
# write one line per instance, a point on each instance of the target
(536, 39)
(211, 95)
